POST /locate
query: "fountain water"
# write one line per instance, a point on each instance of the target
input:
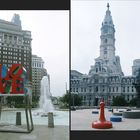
(45, 103)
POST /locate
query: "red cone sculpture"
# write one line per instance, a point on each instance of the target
(102, 123)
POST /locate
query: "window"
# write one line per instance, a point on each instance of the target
(105, 41)
(96, 69)
(73, 89)
(127, 89)
(4, 52)
(84, 89)
(10, 37)
(5, 36)
(15, 38)
(132, 89)
(127, 97)
(123, 80)
(109, 89)
(123, 89)
(89, 89)
(105, 52)
(96, 89)
(14, 61)
(116, 89)
(113, 89)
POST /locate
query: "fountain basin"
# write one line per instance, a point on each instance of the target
(133, 114)
(60, 118)
(117, 113)
(102, 125)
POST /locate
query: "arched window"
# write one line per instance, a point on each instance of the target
(123, 80)
(96, 69)
(113, 89)
(96, 89)
(128, 81)
(116, 89)
(127, 89)
(123, 89)
(132, 89)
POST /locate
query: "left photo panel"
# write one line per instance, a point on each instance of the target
(34, 74)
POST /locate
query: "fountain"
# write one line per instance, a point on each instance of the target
(45, 103)
(40, 114)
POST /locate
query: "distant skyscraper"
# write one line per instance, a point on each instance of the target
(15, 44)
(38, 71)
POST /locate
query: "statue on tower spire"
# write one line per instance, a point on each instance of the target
(108, 6)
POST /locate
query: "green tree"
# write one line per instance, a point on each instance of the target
(71, 100)
(15, 101)
(65, 99)
(133, 102)
(119, 101)
(35, 101)
(137, 86)
(76, 100)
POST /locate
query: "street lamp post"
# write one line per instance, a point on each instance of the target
(73, 99)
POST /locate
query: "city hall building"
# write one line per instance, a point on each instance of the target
(105, 79)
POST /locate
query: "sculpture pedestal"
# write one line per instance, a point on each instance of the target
(102, 125)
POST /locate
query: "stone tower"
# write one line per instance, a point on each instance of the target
(16, 20)
(136, 67)
(107, 63)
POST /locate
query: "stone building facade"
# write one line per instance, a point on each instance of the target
(105, 79)
(38, 71)
(15, 44)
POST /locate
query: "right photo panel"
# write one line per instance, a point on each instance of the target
(105, 65)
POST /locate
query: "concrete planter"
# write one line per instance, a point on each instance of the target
(134, 114)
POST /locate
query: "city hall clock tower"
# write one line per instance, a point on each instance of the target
(107, 63)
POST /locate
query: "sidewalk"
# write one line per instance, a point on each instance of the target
(40, 132)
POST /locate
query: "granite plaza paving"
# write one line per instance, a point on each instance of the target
(82, 119)
(40, 132)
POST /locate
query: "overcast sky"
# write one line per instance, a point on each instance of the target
(87, 17)
(50, 34)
